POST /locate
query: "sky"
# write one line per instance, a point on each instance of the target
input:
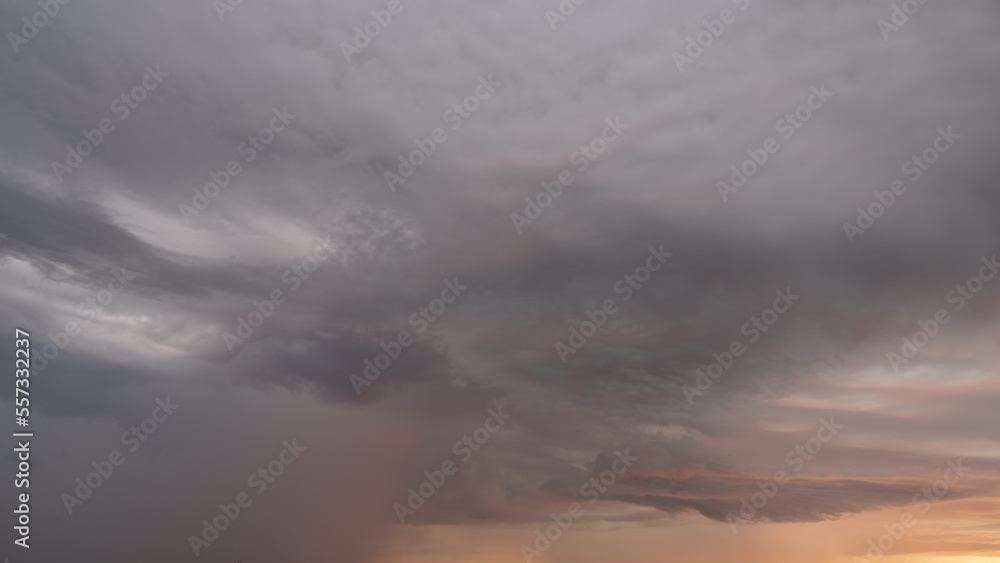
(442, 281)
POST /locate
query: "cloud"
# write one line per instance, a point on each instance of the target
(324, 177)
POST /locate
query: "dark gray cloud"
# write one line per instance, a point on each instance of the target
(323, 176)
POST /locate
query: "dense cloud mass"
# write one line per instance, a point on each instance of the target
(639, 256)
